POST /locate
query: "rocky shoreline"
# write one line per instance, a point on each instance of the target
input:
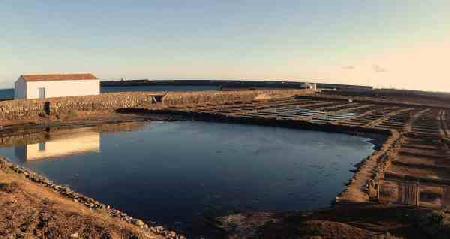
(88, 202)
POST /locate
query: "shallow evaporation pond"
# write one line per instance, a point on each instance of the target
(176, 173)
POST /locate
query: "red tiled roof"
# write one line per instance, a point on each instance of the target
(59, 77)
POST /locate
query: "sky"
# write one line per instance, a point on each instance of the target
(401, 44)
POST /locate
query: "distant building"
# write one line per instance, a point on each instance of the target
(56, 85)
(311, 86)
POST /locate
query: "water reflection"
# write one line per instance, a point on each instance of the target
(415, 193)
(77, 142)
(64, 143)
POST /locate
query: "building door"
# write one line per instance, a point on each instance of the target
(41, 93)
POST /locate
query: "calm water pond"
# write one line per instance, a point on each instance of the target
(174, 173)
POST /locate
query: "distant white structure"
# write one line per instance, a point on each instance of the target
(311, 86)
(56, 85)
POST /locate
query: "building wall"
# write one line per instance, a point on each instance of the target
(20, 91)
(62, 88)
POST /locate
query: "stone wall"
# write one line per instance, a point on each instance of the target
(221, 97)
(23, 109)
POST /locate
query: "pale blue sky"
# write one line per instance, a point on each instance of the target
(228, 39)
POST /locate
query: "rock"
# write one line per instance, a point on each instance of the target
(138, 222)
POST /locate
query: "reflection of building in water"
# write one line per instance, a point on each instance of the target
(77, 142)
(414, 193)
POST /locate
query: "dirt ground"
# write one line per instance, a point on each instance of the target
(358, 220)
(29, 210)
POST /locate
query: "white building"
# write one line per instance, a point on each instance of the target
(311, 86)
(56, 85)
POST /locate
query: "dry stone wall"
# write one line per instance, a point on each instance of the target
(23, 109)
(221, 97)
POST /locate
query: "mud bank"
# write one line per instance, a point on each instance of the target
(351, 221)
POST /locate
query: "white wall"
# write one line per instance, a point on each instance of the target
(62, 88)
